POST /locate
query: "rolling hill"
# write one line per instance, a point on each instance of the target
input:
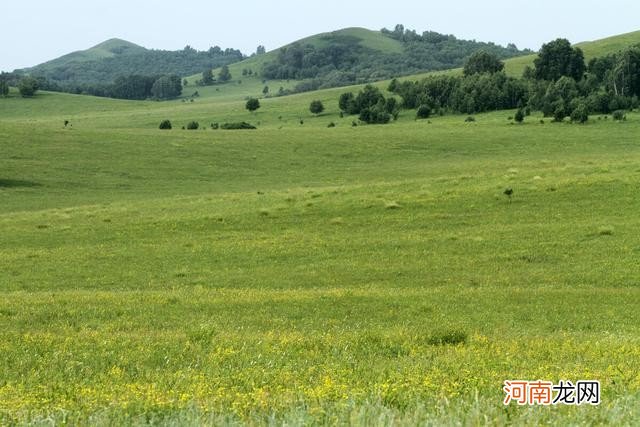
(102, 64)
(108, 49)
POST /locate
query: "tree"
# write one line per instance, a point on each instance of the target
(580, 113)
(261, 50)
(346, 103)
(207, 77)
(167, 87)
(558, 58)
(519, 117)
(252, 104)
(625, 76)
(165, 125)
(225, 74)
(28, 87)
(424, 111)
(265, 91)
(483, 62)
(4, 88)
(316, 107)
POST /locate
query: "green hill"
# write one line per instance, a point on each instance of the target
(90, 70)
(358, 55)
(108, 49)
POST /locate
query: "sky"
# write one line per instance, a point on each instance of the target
(39, 30)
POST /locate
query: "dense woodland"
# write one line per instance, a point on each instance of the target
(344, 61)
(560, 85)
(103, 77)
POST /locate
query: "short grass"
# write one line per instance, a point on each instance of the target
(309, 275)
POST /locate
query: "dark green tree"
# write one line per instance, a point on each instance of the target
(28, 86)
(252, 104)
(207, 77)
(424, 111)
(261, 50)
(483, 62)
(225, 74)
(346, 103)
(580, 113)
(519, 117)
(265, 90)
(316, 107)
(4, 88)
(558, 58)
(167, 87)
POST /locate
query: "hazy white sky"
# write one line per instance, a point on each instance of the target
(35, 31)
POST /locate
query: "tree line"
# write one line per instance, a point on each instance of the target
(560, 84)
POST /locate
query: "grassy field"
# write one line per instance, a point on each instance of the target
(311, 275)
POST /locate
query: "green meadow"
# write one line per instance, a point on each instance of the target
(300, 274)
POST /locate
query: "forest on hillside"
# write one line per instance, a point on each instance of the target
(343, 60)
(97, 76)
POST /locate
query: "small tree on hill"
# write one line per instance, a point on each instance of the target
(207, 77)
(558, 58)
(165, 125)
(265, 91)
(253, 104)
(483, 62)
(28, 86)
(519, 117)
(316, 107)
(225, 74)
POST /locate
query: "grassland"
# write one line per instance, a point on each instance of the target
(304, 274)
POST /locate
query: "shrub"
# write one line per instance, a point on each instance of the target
(424, 112)
(470, 119)
(193, 125)
(316, 107)
(253, 104)
(580, 113)
(619, 115)
(28, 87)
(215, 126)
(452, 337)
(237, 126)
(331, 125)
(519, 117)
(164, 125)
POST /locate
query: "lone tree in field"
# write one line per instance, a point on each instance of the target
(253, 104)
(519, 117)
(316, 107)
(265, 91)
(483, 62)
(28, 87)
(558, 58)
(207, 77)
(225, 74)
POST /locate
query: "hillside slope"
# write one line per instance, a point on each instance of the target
(591, 49)
(107, 49)
(359, 55)
(102, 64)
